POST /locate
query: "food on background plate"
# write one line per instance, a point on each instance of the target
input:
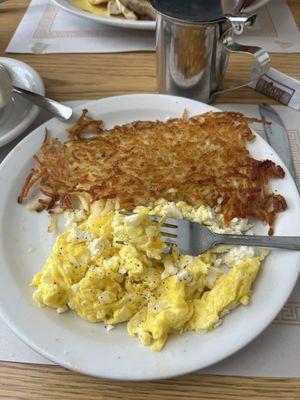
(129, 9)
(115, 268)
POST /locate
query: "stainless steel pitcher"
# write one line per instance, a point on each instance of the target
(192, 54)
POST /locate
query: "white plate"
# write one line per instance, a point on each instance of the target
(66, 5)
(89, 348)
(19, 113)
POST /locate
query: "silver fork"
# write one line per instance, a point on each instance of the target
(193, 238)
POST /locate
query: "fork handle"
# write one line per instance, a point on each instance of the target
(281, 242)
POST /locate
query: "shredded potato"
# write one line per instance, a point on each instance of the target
(199, 160)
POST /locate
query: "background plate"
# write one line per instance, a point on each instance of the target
(113, 21)
(66, 5)
(19, 113)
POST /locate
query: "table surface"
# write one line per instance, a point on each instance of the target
(102, 75)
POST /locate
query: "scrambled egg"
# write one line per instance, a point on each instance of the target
(115, 268)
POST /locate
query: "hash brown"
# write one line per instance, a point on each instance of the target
(201, 160)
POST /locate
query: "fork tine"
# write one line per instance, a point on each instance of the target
(124, 212)
(169, 222)
(168, 231)
(168, 240)
(155, 218)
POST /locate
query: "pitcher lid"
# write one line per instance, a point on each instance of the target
(197, 10)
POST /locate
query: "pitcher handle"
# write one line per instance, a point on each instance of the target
(261, 63)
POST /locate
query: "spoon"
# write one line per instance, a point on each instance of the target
(59, 110)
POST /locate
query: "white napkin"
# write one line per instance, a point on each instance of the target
(275, 353)
(47, 29)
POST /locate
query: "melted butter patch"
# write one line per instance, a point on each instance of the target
(101, 9)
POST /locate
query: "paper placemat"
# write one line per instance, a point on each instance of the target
(275, 29)
(275, 353)
(45, 28)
